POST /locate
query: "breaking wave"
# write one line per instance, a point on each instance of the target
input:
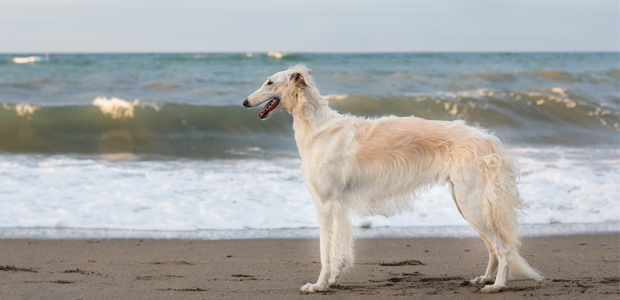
(113, 125)
(29, 59)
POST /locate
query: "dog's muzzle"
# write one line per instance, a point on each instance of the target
(246, 103)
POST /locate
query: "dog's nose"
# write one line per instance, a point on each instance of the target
(246, 103)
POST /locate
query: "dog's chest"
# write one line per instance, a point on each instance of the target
(323, 165)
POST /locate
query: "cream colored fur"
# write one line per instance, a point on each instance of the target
(353, 165)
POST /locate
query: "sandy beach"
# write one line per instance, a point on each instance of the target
(575, 267)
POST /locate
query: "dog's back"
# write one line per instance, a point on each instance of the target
(380, 165)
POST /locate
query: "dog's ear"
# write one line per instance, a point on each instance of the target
(298, 79)
(301, 68)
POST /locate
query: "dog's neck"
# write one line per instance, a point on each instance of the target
(311, 114)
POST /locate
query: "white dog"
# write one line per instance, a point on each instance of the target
(378, 166)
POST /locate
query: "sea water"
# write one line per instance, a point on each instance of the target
(158, 145)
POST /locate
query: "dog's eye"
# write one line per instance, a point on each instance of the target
(269, 82)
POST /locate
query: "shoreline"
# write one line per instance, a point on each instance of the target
(464, 231)
(575, 267)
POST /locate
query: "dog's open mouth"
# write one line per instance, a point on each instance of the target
(269, 107)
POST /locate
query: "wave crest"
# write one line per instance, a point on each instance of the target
(27, 60)
(118, 108)
(115, 107)
(21, 109)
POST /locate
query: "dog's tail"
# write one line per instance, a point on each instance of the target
(518, 266)
(503, 208)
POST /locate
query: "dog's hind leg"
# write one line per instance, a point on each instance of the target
(489, 201)
(468, 192)
(325, 214)
(492, 265)
(341, 250)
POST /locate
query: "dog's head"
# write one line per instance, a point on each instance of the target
(281, 90)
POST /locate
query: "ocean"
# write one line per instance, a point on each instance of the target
(159, 145)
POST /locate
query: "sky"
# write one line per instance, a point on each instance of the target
(36, 26)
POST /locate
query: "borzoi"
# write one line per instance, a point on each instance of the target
(378, 166)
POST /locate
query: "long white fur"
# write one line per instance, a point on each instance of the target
(353, 165)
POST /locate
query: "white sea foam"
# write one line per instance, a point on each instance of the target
(559, 91)
(30, 59)
(26, 60)
(21, 109)
(119, 108)
(559, 185)
(484, 92)
(276, 55)
(115, 107)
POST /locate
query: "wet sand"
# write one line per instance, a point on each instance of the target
(575, 267)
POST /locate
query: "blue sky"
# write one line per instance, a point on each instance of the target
(308, 26)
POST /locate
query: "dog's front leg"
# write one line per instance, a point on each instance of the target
(341, 249)
(325, 215)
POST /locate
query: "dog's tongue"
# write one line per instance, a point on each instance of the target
(262, 113)
(270, 105)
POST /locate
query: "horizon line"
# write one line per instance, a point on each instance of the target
(318, 52)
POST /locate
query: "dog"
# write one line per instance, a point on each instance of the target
(352, 165)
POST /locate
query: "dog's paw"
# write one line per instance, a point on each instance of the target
(311, 288)
(333, 281)
(489, 289)
(482, 280)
